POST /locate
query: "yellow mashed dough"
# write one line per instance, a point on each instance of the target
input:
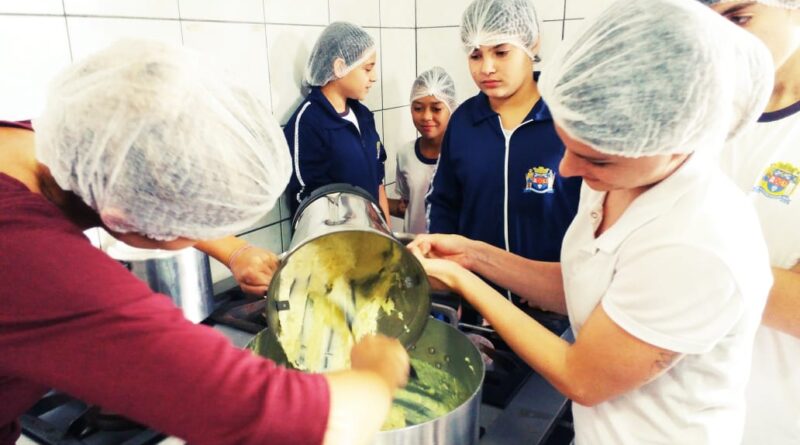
(433, 394)
(351, 271)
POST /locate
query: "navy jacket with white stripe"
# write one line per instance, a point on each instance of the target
(328, 149)
(509, 196)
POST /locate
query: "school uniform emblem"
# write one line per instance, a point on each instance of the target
(779, 182)
(539, 180)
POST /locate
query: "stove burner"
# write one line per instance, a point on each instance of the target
(507, 373)
(63, 420)
(241, 311)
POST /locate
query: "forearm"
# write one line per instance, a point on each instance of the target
(537, 281)
(605, 362)
(783, 306)
(221, 249)
(360, 402)
(541, 349)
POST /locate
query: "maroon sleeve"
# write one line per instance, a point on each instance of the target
(25, 125)
(73, 319)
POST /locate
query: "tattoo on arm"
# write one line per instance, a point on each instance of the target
(664, 361)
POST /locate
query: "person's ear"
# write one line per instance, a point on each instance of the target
(535, 51)
(339, 68)
(115, 219)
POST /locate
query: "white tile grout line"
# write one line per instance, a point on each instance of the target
(266, 50)
(173, 19)
(66, 26)
(271, 105)
(416, 42)
(180, 21)
(383, 84)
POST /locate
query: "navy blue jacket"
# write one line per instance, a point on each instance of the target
(327, 149)
(478, 175)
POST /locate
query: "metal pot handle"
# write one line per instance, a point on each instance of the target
(405, 238)
(447, 311)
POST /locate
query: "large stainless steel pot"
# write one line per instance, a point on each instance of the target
(183, 275)
(445, 347)
(341, 228)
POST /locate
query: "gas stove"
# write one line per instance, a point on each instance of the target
(518, 406)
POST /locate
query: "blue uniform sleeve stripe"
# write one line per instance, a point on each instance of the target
(297, 151)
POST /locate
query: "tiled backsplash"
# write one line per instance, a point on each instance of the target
(266, 44)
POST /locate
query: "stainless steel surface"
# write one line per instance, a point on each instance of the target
(446, 348)
(450, 313)
(356, 223)
(530, 418)
(532, 414)
(185, 277)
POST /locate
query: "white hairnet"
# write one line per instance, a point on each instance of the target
(339, 40)
(652, 77)
(790, 4)
(495, 22)
(437, 83)
(160, 144)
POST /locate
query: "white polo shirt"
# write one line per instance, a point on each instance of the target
(765, 162)
(413, 180)
(685, 269)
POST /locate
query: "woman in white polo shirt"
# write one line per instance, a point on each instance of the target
(663, 272)
(765, 162)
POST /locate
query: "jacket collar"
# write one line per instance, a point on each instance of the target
(336, 120)
(482, 110)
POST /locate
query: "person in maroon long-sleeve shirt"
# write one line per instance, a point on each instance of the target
(150, 143)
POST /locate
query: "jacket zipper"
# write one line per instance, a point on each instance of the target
(505, 185)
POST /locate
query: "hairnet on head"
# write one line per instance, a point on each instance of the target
(495, 22)
(160, 144)
(437, 83)
(790, 4)
(339, 40)
(651, 77)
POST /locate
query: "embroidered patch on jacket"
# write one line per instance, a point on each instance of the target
(539, 180)
(779, 181)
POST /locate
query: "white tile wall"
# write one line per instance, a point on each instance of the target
(286, 234)
(90, 34)
(399, 59)
(440, 12)
(32, 7)
(374, 99)
(360, 12)
(550, 34)
(125, 8)
(398, 13)
(288, 47)
(585, 8)
(398, 130)
(265, 43)
(301, 12)
(228, 10)
(240, 48)
(549, 9)
(32, 50)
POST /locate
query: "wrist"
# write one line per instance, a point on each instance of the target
(237, 253)
(475, 256)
